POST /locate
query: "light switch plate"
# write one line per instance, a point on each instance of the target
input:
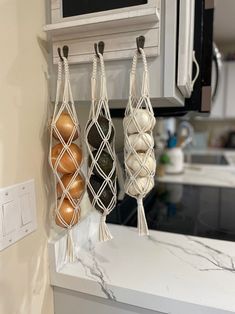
(17, 212)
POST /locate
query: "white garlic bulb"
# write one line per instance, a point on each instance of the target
(140, 186)
(141, 163)
(142, 120)
(141, 142)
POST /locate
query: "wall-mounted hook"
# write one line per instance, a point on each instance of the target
(140, 41)
(99, 48)
(59, 53)
(65, 52)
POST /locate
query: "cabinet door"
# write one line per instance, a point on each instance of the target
(218, 105)
(230, 90)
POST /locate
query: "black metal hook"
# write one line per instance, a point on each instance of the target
(140, 41)
(99, 48)
(65, 52)
(59, 53)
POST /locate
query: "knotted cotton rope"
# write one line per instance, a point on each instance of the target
(101, 183)
(66, 152)
(140, 162)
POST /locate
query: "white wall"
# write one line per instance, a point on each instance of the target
(216, 130)
(24, 282)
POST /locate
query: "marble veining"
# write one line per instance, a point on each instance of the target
(216, 259)
(94, 271)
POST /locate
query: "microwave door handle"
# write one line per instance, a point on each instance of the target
(218, 64)
(197, 70)
(215, 89)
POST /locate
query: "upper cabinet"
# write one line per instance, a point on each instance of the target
(224, 104)
(174, 45)
(117, 22)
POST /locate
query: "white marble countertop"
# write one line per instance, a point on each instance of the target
(209, 175)
(164, 272)
(220, 176)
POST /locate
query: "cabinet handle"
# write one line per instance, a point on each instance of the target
(197, 70)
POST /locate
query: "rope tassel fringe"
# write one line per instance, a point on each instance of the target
(70, 255)
(142, 223)
(104, 233)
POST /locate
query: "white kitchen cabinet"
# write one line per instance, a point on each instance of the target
(117, 27)
(120, 44)
(224, 106)
(156, 20)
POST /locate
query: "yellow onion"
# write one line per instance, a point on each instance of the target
(76, 188)
(65, 126)
(68, 214)
(66, 164)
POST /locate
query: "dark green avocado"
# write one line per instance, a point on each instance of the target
(106, 196)
(105, 162)
(94, 137)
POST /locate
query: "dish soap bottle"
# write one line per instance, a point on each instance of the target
(176, 156)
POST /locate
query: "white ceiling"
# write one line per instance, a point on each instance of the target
(224, 22)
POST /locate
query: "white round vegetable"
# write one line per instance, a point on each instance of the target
(141, 120)
(141, 163)
(140, 186)
(141, 142)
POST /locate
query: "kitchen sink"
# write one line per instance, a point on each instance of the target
(207, 159)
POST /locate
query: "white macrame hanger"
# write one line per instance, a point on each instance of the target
(99, 107)
(135, 104)
(67, 105)
(142, 223)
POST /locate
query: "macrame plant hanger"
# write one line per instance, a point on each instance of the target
(139, 121)
(101, 183)
(63, 146)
